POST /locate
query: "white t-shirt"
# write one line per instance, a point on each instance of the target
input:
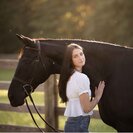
(78, 84)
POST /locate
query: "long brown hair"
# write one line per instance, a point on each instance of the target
(67, 70)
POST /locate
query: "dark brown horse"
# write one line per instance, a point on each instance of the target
(104, 61)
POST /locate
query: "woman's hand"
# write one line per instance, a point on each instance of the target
(99, 90)
(87, 104)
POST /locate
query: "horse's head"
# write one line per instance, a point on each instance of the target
(32, 70)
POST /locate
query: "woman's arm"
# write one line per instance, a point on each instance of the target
(88, 105)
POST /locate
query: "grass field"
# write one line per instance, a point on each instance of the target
(6, 74)
(24, 119)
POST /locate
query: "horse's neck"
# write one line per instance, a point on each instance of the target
(53, 49)
(97, 51)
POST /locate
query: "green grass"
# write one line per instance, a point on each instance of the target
(21, 119)
(97, 125)
(3, 96)
(6, 74)
(24, 119)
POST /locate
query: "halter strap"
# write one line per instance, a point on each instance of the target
(39, 55)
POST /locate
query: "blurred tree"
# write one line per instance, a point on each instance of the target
(111, 21)
(61, 18)
(15, 16)
(104, 20)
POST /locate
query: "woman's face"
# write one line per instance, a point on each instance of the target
(78, 59)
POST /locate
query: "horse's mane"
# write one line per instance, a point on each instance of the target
(20, 53)
(91, 41)
(63, 42)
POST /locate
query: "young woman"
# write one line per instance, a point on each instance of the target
(74, 89)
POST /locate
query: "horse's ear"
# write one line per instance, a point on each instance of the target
(26, 40)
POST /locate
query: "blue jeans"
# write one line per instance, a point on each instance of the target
(77, 124)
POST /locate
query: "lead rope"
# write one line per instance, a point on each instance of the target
(33, 116)
(28, 94)
(37, 113)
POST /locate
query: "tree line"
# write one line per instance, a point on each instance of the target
(101, 20)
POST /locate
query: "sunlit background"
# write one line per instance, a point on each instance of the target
(101, 20)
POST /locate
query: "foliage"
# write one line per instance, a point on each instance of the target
(112, 22)
(6, 74)
(105, 20)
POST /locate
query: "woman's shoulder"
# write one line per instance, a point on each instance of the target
(81, 79)
(81, 76)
